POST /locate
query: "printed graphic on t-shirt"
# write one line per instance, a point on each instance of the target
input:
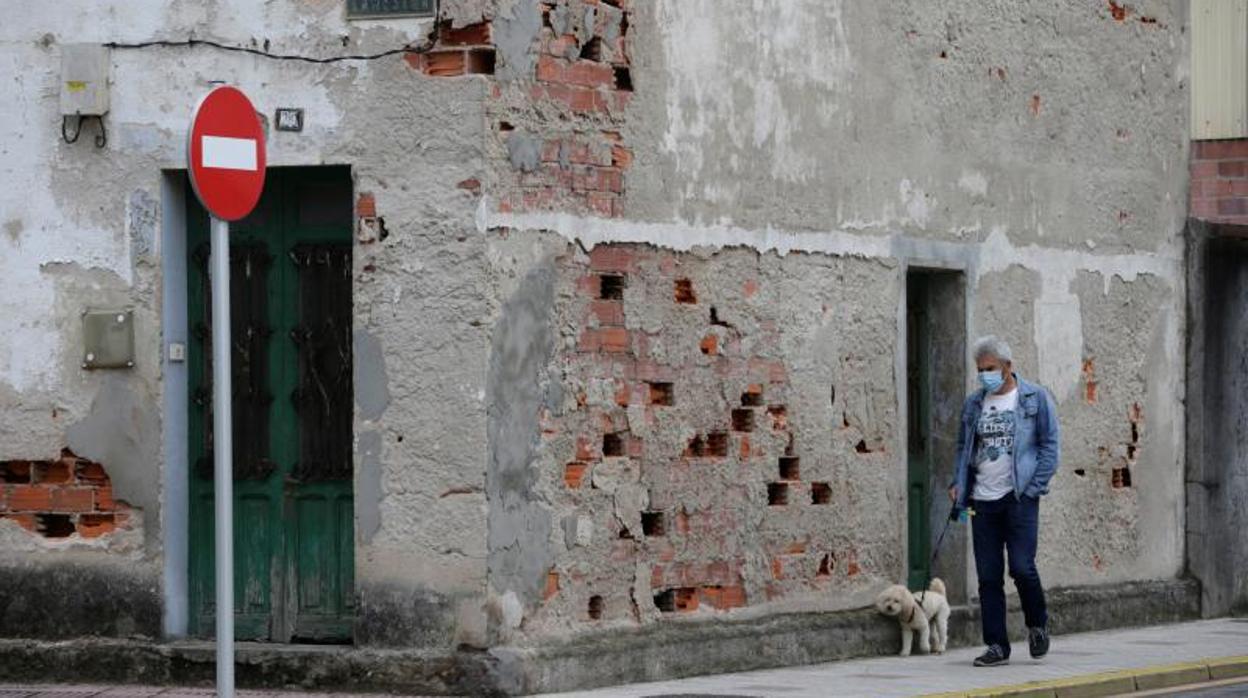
(994, 456)
(996, 435)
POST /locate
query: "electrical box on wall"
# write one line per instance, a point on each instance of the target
(108, 339)
(84, 80)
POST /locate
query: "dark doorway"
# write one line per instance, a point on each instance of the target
(935, 386)
(291, 315)
(1217, 416)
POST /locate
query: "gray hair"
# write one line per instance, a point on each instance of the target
(993, 346)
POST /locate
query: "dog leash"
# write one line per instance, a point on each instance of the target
(954, 514)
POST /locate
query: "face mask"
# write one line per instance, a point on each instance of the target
(990, 380)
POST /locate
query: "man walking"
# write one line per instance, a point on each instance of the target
(1007, 453)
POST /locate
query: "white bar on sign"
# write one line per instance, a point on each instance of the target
(224, 153)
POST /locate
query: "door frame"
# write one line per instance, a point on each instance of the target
(953, 564)
(176, 530)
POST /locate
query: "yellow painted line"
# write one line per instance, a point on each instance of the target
(1112, 683)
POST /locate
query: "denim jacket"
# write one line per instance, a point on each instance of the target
(1036, 442)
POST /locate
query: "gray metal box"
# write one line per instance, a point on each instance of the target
(108, 339)
(84, 79)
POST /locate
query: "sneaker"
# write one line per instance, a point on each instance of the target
(1038, 642)
(995, 656)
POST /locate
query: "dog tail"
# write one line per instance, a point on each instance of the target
(937, 586)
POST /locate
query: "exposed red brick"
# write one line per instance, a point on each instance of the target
(1118, 12)
(797, 547)
(608, 312)
(603, 204)
(596, 179)
(562, 46)
(621, 157)
(623, 393)
(611, 258)
(682, 521)
(26, 521)
(613, 339)
(1232, 207)
(583, 73)
(1221, 149)
(95, 525)
(574, 474)
(479, 34)
(1203, 168)
(710, 344)
(724, 597)
(366, 206)
(15, 471)
(552, 584)
(73, 499)
(581, 100)
(686, 600)
(29, 498)
(1226, 168)
(104, 499)
(57, 472)
(90, 472)
(472, 184)
(750, 288)
(1034, 105)
(443, 64)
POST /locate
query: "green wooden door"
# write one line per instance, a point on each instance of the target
(919, 466)
(290, 305)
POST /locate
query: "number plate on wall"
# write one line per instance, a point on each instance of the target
(357, 9)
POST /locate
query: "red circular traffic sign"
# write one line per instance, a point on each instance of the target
(225, 153)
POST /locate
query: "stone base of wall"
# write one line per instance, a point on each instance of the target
(671, 651)
(665, 651)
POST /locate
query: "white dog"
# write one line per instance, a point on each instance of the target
(927, 613)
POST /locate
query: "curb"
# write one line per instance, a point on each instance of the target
(1112, 683)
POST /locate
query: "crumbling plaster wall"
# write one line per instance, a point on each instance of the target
(1041, 150)
(82, 231)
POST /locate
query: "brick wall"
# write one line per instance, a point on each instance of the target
(689, 472)
(60, 498)
(1219, 184)
(556, 133)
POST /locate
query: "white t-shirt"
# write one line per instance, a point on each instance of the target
(994, 456)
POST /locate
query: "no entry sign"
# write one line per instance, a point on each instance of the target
(225, 153)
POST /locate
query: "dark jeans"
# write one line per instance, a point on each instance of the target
(1007, 524)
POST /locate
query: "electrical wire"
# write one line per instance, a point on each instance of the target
(191, 43)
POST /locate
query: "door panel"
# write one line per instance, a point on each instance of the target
(292, 393)
(918, 387)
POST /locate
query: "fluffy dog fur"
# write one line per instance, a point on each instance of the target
(927, 614)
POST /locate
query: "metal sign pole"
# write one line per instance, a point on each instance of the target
(222, 454)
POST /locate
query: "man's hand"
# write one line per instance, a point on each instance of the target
(953, 494)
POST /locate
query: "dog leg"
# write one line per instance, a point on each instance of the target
(905, 641)
(942, 623)
(925, 630)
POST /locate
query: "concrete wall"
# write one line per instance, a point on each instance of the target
(83, 229)
(1040, 150)
(720, 196)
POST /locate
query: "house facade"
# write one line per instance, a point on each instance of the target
(573, 334)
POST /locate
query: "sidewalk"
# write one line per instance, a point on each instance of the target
(1071, 656)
